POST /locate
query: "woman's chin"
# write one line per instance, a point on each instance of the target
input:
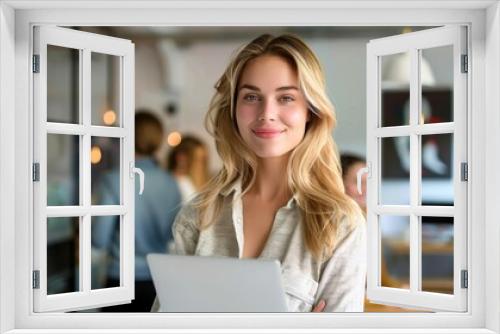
(271, 154)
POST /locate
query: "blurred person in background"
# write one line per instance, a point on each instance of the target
(351, 164)
(188, 163)
(155, 211)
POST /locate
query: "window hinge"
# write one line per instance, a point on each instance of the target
(36, 172)
(36, 63)
(464, 171)
(465, 279)
(465, 64)
(36, 279)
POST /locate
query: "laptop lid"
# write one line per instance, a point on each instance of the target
(216, 284)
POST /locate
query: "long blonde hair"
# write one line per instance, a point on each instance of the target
(313, 171)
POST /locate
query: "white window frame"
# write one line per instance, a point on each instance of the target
(413, 43)
(16, 21)
(86, 43)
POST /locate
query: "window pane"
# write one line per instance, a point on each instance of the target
(395, 243)
(437, 169)
(63, 84)
(63, 166)
(105, 268)
(63, 255)
(105, 89)
(436, 75)
(105, 159)
(395, 167)
(395, 89)
(437, 254)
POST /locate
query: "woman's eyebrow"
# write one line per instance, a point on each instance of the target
(252, 87)
(287, 88)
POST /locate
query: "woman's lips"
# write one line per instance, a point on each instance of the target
(267, 133)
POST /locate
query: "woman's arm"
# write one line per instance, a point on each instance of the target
(342, 282)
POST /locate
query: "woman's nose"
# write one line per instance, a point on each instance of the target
(268, 111)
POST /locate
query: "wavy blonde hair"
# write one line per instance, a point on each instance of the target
(313, 171)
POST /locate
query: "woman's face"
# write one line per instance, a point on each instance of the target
(271, 111)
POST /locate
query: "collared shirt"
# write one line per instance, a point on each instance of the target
(155, 211)
(339, 280)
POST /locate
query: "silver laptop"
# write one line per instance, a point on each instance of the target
(216, 284)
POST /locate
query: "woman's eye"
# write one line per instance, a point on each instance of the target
(251, 98)
(287, 99)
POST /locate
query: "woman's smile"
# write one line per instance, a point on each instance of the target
(267, 133)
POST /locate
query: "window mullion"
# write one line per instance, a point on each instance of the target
(414, 172)
(85, 237)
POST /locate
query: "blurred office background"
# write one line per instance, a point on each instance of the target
(176, 69)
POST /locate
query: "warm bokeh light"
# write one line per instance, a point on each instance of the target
(95, 155)
(109, 117)
(174, 138)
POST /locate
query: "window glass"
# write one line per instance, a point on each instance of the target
(436, 77)
(63, 255)
(395, 170)
(105, 161)
(63, 170)
(395, 250)
(104, 228)
(63, 70)
(395, 89)
(437, 254)
(437, 169)
(106, 89)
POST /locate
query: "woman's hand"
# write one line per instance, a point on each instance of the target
(320, 306)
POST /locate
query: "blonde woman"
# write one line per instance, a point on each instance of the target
(279, 194)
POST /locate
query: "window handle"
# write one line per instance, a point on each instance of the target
(134, 170)
(359, 175)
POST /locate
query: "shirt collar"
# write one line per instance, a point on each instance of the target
(236, 186)
(236, 189)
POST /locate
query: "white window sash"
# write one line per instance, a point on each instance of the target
(414, 297)
(86, 43)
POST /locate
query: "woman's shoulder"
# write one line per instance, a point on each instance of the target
(352, 226)
(188, 214)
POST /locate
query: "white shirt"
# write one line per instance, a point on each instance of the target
(339, 280)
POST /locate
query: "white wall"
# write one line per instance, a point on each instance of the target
(344, 63)
(206, 63)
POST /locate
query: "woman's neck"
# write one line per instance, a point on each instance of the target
(271, 182)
